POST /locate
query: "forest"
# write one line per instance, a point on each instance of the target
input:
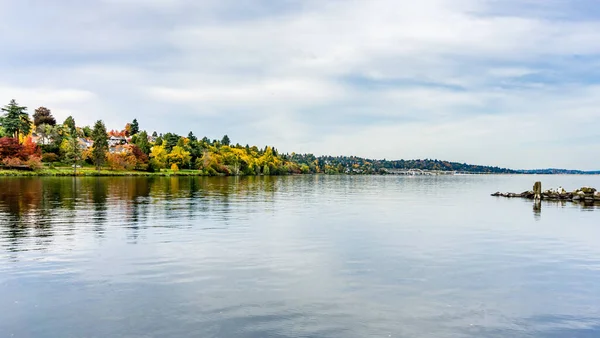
(38, 143)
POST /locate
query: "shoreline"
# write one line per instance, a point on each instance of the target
(89, 172)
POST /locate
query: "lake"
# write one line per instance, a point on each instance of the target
(296, 256)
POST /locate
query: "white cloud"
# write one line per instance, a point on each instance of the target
(446, 77)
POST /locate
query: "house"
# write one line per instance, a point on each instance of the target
(37, 139)
(85, 143)
(116, 140)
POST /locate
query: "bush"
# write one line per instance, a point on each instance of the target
(10, 147)
(12, 162)
(49, 157)
(174, 167)
(34, 162)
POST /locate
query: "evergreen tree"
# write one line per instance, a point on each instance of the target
(225, 141)
(15, 120)
(100, 148)
(142, 142)
(135, 128)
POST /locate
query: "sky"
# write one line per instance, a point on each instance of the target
(495, 82)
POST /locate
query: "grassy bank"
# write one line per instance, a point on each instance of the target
(85, 171)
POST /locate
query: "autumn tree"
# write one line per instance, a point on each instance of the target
(43, 115)
(179, 156)
(16, 120)
(158, 156)
(100, 148)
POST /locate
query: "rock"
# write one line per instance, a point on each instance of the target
(496, 194)
(576, 198)
(597, 196)
(589, 198)
(588, 190)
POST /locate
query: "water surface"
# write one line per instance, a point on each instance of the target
(301, 256)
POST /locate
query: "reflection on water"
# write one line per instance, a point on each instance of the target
(306, 256)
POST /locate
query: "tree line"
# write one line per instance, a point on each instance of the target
(132, 148)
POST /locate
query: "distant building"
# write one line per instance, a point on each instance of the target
(40, 140)
(116, 140)
(85, 143)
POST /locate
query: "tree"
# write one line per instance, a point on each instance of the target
(9, 147)
(87, 131)
(16, 120)
(170, 140)
(43, 115)
(100, 148)
(127, 130)
(225, 141)
(69, 147)
(69, 124)
(135, 128)
(142, 142)
(158, 156)
(179, 156)
(71, 151)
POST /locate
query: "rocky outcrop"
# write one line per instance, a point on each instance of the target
(584, 194)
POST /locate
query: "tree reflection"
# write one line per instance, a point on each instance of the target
(41, 208)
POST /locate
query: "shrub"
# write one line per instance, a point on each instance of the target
(121, 161)
(49, 157)
(34, 162)
(12, 161)
(174, 167)
(9, 147)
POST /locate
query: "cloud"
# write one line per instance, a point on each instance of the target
(465, 80)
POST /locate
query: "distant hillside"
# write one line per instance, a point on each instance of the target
(552, 171)
(358, 165)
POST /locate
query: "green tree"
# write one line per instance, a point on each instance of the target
(71, 151)
(69, 125)
(15, 120)
(100, 138)
(225, 141)
(87, 131)
(142, 142)
(135, 127)
(43, 115)
(48, 133)
(170, 140)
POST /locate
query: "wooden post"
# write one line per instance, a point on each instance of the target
(537, 191)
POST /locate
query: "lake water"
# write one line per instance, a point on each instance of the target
(301, 256)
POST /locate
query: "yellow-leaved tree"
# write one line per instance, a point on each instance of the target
(158, 156)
